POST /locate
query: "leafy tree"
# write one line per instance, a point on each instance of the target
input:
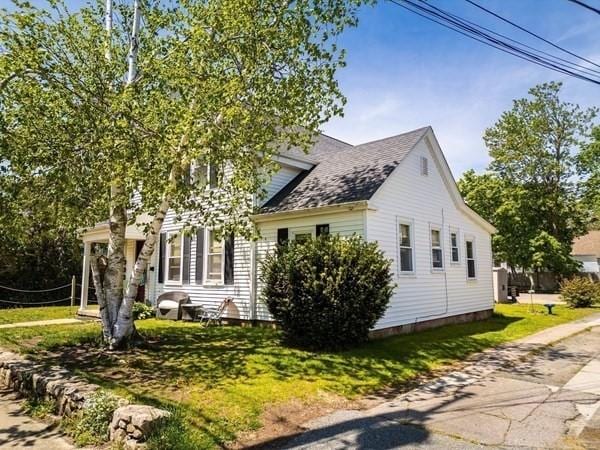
(531, 192)
(119, 102)
(589, 169)
(37, 250)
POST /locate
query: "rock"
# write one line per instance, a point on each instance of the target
(130, 429)
(137, 434)
(143, 417)
(118, 435)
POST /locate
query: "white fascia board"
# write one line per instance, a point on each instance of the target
(314, 211)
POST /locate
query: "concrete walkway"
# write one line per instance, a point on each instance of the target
(17, 431)
(524, 395)
(40, 323)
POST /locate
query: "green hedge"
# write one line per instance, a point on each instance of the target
(327, 293)
(580, 292)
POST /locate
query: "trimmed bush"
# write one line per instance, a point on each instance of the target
(580, 292)
(327, 293)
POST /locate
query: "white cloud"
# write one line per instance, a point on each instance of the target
(458, 102)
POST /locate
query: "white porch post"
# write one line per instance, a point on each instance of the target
(85, 275)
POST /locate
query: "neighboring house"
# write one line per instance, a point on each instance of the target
(397, 191)
(586, 249)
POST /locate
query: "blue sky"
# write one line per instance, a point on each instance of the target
(405, 72)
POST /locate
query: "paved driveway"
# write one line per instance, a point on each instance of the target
(509, 399)
(18, 431)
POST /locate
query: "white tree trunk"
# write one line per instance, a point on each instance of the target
(123, 327)
(101, 298)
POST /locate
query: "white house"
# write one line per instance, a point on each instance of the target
(398, 192)
(586, 249)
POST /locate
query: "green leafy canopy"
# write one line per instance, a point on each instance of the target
(221, 82)
(542, 164)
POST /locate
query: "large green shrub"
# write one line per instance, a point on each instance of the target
(580, 292)
(327, 293)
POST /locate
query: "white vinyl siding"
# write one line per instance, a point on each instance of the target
(279, 180)
(345, 223)
(426, 200)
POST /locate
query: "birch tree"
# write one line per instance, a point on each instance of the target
(121, 99)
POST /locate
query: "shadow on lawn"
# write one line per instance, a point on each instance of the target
(217, 357)
(180, 360)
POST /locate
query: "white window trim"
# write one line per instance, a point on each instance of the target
(169, 282)
(411, 224)
(458, 240)
(193, 167)
(210, 281)
(433, 226)
(472, 240)
(303, 230)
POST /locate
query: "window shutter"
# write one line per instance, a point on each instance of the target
(199, 254)
(322, 230)
(214, 176)
(229, 257)
(162, 247)
(187, 260)
(282, 236)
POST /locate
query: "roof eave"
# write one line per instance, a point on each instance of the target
(312, 211)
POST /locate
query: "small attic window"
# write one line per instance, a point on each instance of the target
(424, 166)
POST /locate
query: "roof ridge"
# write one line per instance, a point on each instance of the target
(336, 139)
(394, 136)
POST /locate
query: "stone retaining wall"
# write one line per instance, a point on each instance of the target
(130, 425)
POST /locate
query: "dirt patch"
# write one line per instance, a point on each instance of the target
(283, 420)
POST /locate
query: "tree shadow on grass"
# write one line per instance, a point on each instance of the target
(182, 358)
(221, 356)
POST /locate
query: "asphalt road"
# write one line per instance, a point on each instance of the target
(511, 400)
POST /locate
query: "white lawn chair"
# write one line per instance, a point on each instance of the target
(215, 315)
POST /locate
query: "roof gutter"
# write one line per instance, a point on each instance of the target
(313, 211)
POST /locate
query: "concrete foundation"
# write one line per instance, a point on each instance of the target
(433, 323)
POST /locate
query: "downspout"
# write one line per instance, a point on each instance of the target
(443, 238)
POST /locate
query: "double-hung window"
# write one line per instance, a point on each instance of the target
(174, 257)
(406, 247)
(437, 255)
(207, 174)
(214, 258)
(454, 252)
(470, 254)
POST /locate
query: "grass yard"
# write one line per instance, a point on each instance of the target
(229, 380)
(14, 315)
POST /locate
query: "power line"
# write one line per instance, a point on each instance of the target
(457, 24)
(530, 32)
(585, 5)
(574, 65)
(475, 32)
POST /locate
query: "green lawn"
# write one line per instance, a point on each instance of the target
(14, 315)
(225, 378)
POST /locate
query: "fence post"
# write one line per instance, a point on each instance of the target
(73, 288)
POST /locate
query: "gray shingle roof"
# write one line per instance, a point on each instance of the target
(344, 173)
